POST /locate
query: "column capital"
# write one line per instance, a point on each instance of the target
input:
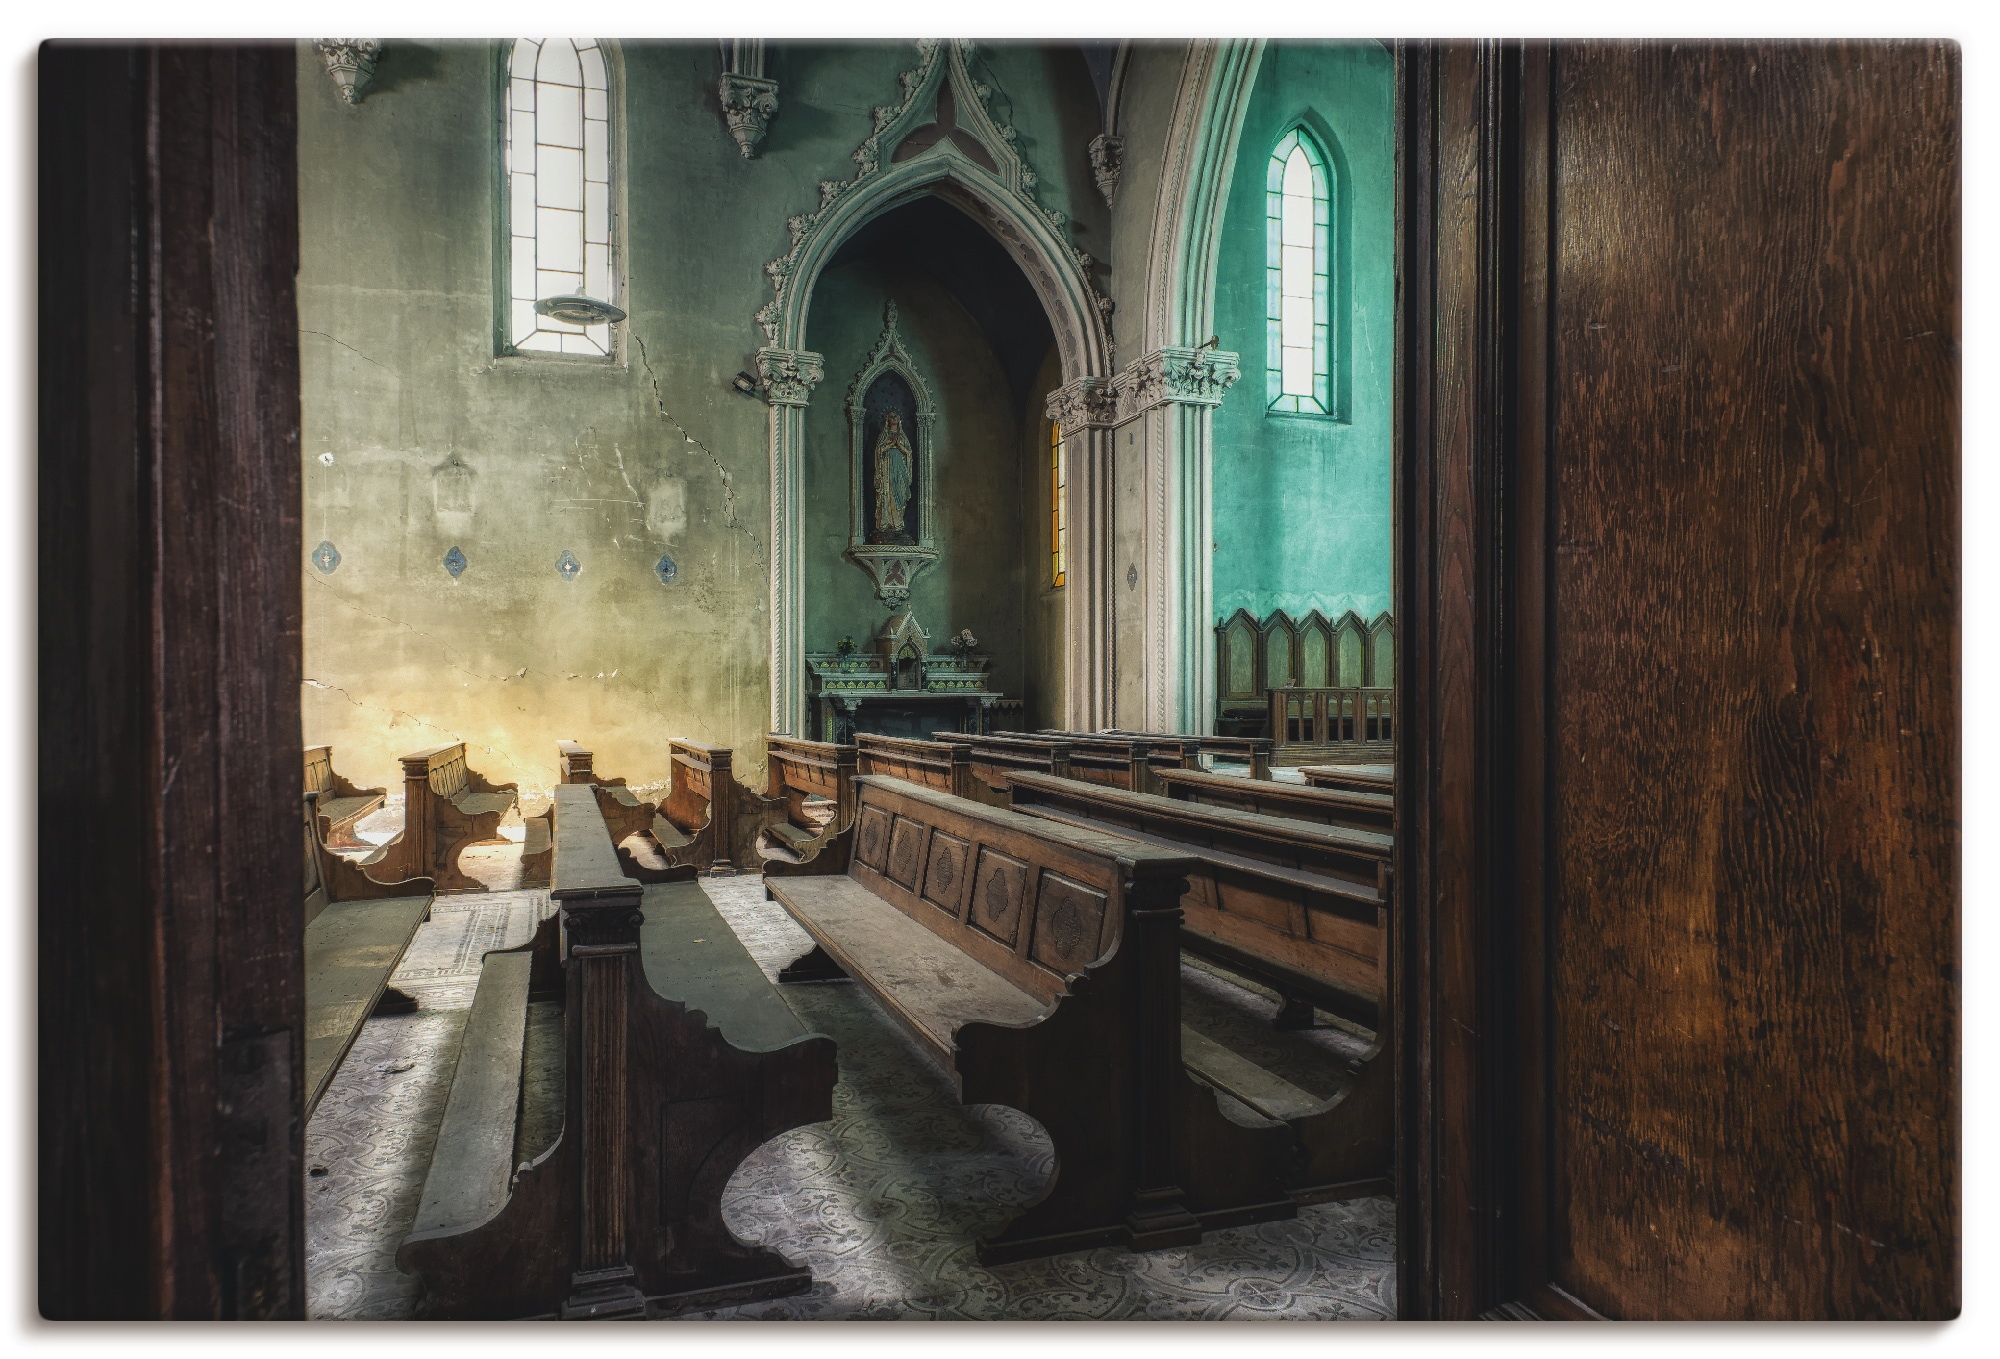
(789, 375)
(1174, 375)
(1079, 405)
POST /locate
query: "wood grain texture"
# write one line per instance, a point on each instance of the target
(1753, 996)
(169, 570)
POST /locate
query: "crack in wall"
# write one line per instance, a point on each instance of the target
(728, 482)
(345, 345)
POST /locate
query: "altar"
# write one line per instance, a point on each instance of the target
(899, 687)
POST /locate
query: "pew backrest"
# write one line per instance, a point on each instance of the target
(1362, 779)
(1037, 902)
(991, 758)
(1326, 806)
(1359, 859)
(941, 766)
(575, 762)
(795, 770)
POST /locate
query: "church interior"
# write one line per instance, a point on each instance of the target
(1073, 680)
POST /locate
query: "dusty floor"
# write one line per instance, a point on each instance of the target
(883, 1203)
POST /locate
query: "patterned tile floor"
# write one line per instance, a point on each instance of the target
(883, 1203)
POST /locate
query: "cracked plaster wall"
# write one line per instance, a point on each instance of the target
(396, 311)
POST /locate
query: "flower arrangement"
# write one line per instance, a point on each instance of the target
(963, 644)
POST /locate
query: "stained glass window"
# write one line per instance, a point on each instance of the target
(558, 137)
(1058, 509)
(1298, 275)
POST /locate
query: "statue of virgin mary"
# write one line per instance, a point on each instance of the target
(895, 466)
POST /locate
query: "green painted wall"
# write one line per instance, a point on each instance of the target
(396, 302)
(1302, 503)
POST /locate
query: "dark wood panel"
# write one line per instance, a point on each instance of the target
(172, 973)
(1754, 895)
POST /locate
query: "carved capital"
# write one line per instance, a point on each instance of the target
(1082, 404)
(351, 63)
(789, 375)
(1107, 163)
(1175, 374)
(748, 105)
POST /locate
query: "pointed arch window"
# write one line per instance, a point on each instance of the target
(560, 247)
(1299, 276)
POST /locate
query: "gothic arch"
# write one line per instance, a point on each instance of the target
(940, 140)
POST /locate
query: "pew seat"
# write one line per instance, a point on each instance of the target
(352, 947)
(341, 803)
(679, 1060)
(1039, 964)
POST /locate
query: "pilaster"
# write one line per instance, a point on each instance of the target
(789, 376)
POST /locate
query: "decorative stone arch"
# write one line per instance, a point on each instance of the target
(939, 140)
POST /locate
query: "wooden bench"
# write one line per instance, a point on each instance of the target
(1163, 752)
(680, 1059)
(708, 818)
(356, 932)
(1358, 778)
(992, 758)
(1254, 751)
(1300, 908)
(1040, 965)
(1114, 761)
(341, 804)
(1327, 806)
(797, 771)
(446, 807)
(940, 766)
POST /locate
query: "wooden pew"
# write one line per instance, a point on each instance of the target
(1300, 908)
(1040, 965)
(356, 932)
(446, 806)
(341, 804)
(1254, 751)
(1327, 806)
(1360, 779)
(941, 766)
(795, 770)
(992, 758)
(1114, 761)
(680, 1059)
(709, 818)
(1163, 751)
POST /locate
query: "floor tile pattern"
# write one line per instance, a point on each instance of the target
(883, 1203)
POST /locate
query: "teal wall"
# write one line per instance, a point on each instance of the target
(1303, 504)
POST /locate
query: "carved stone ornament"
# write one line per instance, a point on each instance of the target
(789, 375)
(1083, 404)
(943, 113)
(1107, 163)
(1175, 374)
(351, 63)
(748, 105)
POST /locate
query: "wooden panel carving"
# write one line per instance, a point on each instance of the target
(999, 891)
(1068, 920)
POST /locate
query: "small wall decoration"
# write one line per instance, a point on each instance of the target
(665, 569)
(567, 565)
(892, 418)
(326, 557)
(454, 562)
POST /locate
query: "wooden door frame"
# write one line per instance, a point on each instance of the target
(170, 913)
(1472, 344)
